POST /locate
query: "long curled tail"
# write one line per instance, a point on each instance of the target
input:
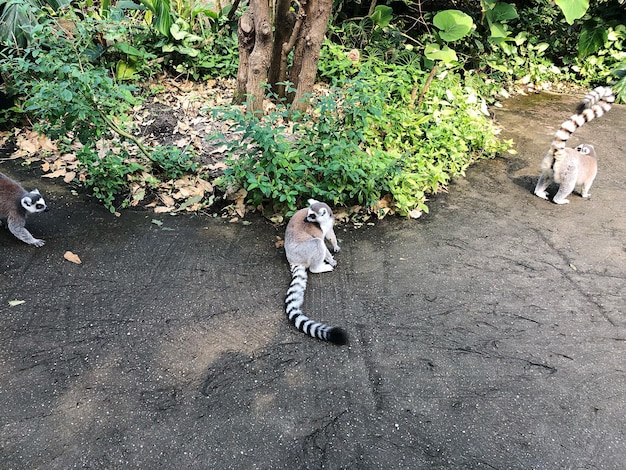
(593, 105)
(293, 304)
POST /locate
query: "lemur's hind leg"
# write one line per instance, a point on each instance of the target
(544, 181)
(565, 189)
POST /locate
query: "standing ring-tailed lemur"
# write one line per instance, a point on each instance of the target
(15, 204)
(305, 248)
(573, 167)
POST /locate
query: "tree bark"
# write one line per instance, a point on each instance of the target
(283, 29)
(307, 51)
(264, 50)
(259, 59)
(245, 36)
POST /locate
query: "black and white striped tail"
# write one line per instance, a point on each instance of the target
(593, 105)
(293, 304)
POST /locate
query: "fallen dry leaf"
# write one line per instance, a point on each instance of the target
(72, 258)
(240, 206)
(167, 200)
(415, 214)
(55, 174)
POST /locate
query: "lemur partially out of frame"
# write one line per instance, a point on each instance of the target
(15, 204)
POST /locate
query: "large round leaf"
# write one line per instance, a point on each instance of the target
(573, 9)
(444, 54)
(454, 24)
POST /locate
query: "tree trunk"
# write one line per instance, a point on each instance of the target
(245, 35)
(263, 53)
(283, 29)
(307, 51)
(255, 71)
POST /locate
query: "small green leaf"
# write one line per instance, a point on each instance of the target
(498, 30)
(124, 71)
(128, 49)
(14, 303)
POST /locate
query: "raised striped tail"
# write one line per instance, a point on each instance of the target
(593, 105)
(600, 96)
(293, 305)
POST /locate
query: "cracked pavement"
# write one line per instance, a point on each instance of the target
(491, 333)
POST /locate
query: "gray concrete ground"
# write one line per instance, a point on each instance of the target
(488, 334)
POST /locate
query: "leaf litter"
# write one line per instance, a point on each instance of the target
(179, 114)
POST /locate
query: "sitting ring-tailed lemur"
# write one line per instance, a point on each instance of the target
(305, 248)
(573, 167)
(15, 204)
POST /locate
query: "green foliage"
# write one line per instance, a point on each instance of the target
(521, 59)
(108, 175)
(573, 9)
(611, 55)
(59, 87)
(372, 34)
(173, 162)
(498, 14)
(620, 74)
(217, 56)
(453, 24)
(361, 142)
(162, 15)
(444, 54)
(65, 92)
(592, 38)
(382, 15)
(18, 16)
(334, 63)
(323, 160)
(370, 137)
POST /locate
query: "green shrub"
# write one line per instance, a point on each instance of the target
(173, 162)
(108, 175)
(361, 142)
(67, 94)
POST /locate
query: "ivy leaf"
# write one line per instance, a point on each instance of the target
(573, 9)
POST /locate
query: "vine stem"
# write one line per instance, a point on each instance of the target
(115, 128)
(424, 88)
